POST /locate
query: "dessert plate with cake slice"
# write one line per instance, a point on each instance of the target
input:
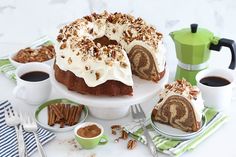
(179, 111)
(60, 115)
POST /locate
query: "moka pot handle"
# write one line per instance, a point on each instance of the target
(227, 43)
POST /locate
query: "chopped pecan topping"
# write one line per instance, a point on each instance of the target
(95, 49)
(97, 75)
(168, 86)
(84, 58)
(182, 86)
(68, 35)
(89, 18)
(119, 58)
(64, 40)
(113, 54)
(91, 31)
(63, 45)
(99, 58)
(109, 62)
(137, 29)
(109, 19)
(69, 60)
(123, 64)
(75, 33)
(194, 93)
(60, 37)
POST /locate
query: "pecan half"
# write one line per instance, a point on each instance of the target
(116, 127)
(124, 135)
(131, 144)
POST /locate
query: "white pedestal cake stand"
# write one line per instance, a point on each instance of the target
(108, 107)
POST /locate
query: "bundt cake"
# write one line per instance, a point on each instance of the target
(180, 106)
(98, 54)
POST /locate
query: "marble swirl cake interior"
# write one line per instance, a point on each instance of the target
(177, 112)
(142, 63)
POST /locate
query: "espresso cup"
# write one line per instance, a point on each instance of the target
(217, 97)
(32, 92)
(90, 142)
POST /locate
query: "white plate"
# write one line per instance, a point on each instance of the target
(177, 134)
(41, 116)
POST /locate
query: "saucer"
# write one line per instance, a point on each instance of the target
(41, 115)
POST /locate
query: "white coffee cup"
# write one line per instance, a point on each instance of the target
(33, 93)
(219, 97)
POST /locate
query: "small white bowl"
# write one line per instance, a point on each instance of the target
(17, 64)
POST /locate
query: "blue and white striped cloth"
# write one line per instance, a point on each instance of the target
(8, 141)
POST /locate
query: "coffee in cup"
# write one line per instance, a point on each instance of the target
(33, 84)
(216, 86)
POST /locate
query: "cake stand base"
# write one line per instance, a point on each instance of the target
(109, 113)
(108, 107)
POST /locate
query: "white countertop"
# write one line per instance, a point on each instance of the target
(23, 21)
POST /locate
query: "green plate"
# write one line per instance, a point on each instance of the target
(41, 115)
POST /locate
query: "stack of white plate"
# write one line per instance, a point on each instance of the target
(177, 134)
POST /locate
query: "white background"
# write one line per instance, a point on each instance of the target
(23, 21)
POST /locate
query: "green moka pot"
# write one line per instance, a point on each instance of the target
(193, 46)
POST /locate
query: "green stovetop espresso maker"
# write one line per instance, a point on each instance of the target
(193, 47)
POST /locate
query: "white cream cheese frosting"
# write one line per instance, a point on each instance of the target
(184, 89)
(77, 52)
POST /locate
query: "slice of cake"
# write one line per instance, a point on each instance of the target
(180, 106)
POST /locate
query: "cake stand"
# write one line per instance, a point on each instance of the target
(109, 107)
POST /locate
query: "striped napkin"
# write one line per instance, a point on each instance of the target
(8, 141)
(9, 70)
(214, 120)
